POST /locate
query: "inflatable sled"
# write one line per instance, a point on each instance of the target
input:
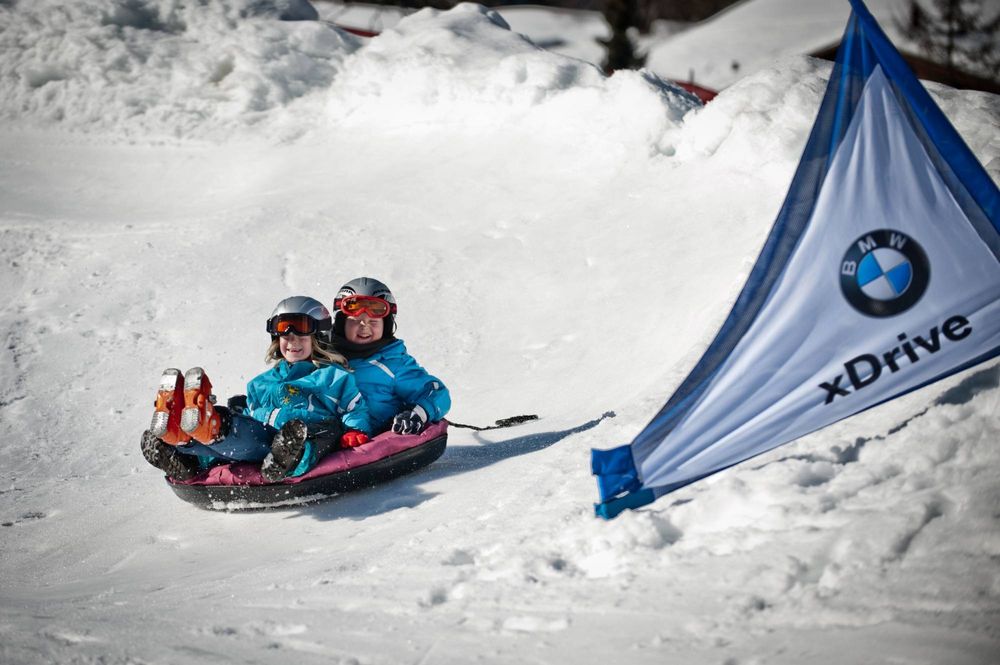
(239, 486)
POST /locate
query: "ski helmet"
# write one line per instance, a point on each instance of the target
(303, 305)
(365, 286)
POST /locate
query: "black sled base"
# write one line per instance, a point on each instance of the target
(261, 496)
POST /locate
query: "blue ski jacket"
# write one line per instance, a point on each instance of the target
(392, 381)
(311, 394)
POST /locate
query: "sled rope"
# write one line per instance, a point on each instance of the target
(503, 422)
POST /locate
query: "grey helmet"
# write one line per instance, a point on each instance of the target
(365, 286)
(322, 322)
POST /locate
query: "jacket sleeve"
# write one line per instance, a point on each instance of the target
(254, 408)
(279, 416)
(337, 404)
(266, 413)
(337, 398)
(351, 405)
(415, 387)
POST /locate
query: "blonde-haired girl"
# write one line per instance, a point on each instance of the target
(295, 412)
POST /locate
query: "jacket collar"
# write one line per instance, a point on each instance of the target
(297, 370)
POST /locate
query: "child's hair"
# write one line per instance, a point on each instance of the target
(321, 355)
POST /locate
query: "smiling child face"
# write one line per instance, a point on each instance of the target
(294, 348)
(363, 329)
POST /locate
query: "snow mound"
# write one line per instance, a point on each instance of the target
(768, 113)
(143, 68)
(161, 67)
(458, 68)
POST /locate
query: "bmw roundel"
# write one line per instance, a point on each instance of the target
(884, 273)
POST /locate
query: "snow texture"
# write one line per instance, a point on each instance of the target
(559, 242)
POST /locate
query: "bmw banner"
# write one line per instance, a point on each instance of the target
(881, 275)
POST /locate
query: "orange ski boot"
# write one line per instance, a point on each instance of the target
(199, 417)
(166, 424)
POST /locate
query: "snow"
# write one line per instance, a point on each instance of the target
(750, 35)
(163, 185)
(717, 52)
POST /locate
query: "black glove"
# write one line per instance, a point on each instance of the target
(409, 422)
(237, 403)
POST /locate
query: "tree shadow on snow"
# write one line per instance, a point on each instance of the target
(405, 491)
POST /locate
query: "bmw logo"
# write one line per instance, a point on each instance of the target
(884, 273)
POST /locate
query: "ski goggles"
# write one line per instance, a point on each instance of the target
(376, 308)
(287, 324)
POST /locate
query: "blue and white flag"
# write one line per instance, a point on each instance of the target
(881, 275)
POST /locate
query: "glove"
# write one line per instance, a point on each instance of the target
(353, 439)
(237, 403)
(409, 422)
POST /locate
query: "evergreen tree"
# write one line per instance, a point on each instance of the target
(958, 34)
(621, 53)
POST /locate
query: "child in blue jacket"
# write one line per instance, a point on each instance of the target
(401, 395)
(295, 412)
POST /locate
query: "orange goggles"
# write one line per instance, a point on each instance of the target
(287, 324)
(376, 308)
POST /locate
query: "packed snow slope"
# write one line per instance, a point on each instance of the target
(560, 243)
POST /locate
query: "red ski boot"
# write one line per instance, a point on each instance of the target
(166, 424)
(199, 418)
